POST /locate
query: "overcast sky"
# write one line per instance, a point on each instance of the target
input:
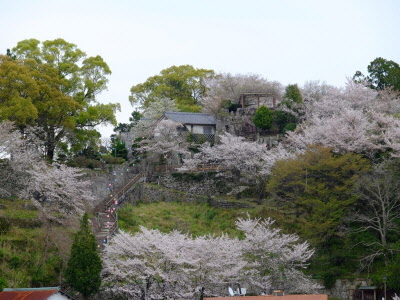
(291, 41)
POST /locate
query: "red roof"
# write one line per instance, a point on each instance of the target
(286, 297)
(27, 295)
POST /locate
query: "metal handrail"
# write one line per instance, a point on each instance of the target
(111, 207)
(123, 190)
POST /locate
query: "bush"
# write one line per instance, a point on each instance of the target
(3, 283)
(83, 162)
(263, 117)
(15, 262)
(5, 225)
(111, 160)
(289, 127)
(282, 119)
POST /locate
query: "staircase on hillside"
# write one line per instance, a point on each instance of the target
(106, 211)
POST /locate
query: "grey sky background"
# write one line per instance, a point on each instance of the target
(285, 40)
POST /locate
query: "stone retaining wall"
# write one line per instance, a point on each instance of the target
(109, 179)
(149, 193)
(206, 183)
(153, 193)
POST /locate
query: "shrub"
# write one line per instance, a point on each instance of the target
(3, 283)
(263, 117)
(5, 225)
(289, 127)
(83, 162)
(15, 262)
(109, 159)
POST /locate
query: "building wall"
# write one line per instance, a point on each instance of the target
(198, 129)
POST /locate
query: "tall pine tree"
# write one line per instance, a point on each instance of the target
(84, 265)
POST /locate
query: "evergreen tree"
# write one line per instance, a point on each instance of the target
(84, 265)
(263, 117)
(292, 93)
(118, 148)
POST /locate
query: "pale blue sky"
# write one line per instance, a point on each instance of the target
(285, 40)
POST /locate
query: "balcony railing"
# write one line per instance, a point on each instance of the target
(202, 138)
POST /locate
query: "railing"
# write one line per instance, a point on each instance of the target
(165, 168)
(123, 190)
(107, 216)
(199, 168)
(201, 138)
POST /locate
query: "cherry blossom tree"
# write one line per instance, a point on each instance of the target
(246, 160)
(155, 265)
(167, 139)
(354, 119)
(49, 186)
(158, 106)
(16, 155)
(268, 251)
(314, 89)
(57, 187)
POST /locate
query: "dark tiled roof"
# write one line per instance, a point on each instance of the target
(191, 118)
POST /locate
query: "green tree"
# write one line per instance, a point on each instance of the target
(284, 120)
(18, 90)
(84, 265)
(315, 191)
(184, 84)
(126, 127)
(263, 117)
(118, 148)
(382, 74)
(56, 90)
(292, 93)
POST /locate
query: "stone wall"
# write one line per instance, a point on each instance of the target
(238, 123)
(206, 183)
(150, 193)
(109, 179)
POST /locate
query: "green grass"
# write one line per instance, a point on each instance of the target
(17, 209)
(196, 219)
(30, 254)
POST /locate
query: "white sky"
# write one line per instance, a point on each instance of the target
(290, 41)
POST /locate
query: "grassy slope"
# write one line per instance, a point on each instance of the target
(29, 251)
(200, 219)
(197, 219)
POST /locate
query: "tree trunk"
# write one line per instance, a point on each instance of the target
(260, 191)
(50, 153)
